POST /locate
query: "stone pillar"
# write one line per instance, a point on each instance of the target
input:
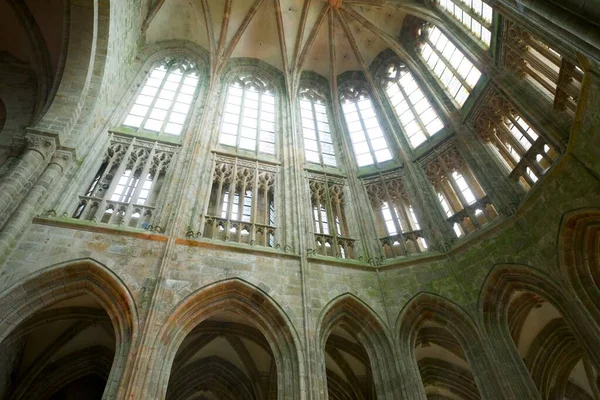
(410, 377)
(513, 374)
(18, 220)
(23, 172)
(585, 135)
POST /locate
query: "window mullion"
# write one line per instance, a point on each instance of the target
(258, 122)
(413, 109)
(317, 133)
(449, 66)
(154, 100)
(541, 67)
(364, 128)
(168, 115)
(329, 211)
(520, 128)
(472, 13)
(240, 118)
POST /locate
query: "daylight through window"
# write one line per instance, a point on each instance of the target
(457, 74)
(163, 104)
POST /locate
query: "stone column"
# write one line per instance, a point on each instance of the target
(19, 219)
(585, 134)
(23, 172)
(513, 375)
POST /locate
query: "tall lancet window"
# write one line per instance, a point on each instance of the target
(475, 15)
(417, 117)
(164, 102)
(368, 141)
(318, 144)
(249, 117)
(456, 72)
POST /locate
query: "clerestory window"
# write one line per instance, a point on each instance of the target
(415, 113)
(318, 143)
(461, 197)
(475, 15)
(163, 104)
(248, 121)
(368, 141)
(525, 154)
(454, 70)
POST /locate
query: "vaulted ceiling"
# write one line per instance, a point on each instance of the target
(292, 35)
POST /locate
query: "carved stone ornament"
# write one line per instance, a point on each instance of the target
(42, 144)
(62, 158)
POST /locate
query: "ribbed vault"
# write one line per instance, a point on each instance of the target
(293, 35)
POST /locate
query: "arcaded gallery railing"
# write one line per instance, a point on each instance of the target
(128, 183)
(331, 233)
(460, 195)
(399, 231)
(242, 202)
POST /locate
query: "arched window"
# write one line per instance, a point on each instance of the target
(368, 141)
(249, 117)
(318, 144)
(457, 74)
(418, 118)
(164, 102)
(475, 15)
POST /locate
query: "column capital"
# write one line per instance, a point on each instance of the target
(62, 158)
(44, 145)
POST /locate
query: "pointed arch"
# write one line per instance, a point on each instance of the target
(579, 256)
(452, 317)
(240, 297)
(506, 279)
(371, 332)
(70, 279)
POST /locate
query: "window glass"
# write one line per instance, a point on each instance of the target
(318, 144)
(163, 103)
(366, 135)
(475, 15)
(248, 120)
(456, 73)
(416, 115)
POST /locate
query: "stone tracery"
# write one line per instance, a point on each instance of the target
(289, 303)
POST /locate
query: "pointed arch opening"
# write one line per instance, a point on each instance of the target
(354, 352)
(579, 256)
(442, 343)
(532, 320)
(67, 332)
(239, 331)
